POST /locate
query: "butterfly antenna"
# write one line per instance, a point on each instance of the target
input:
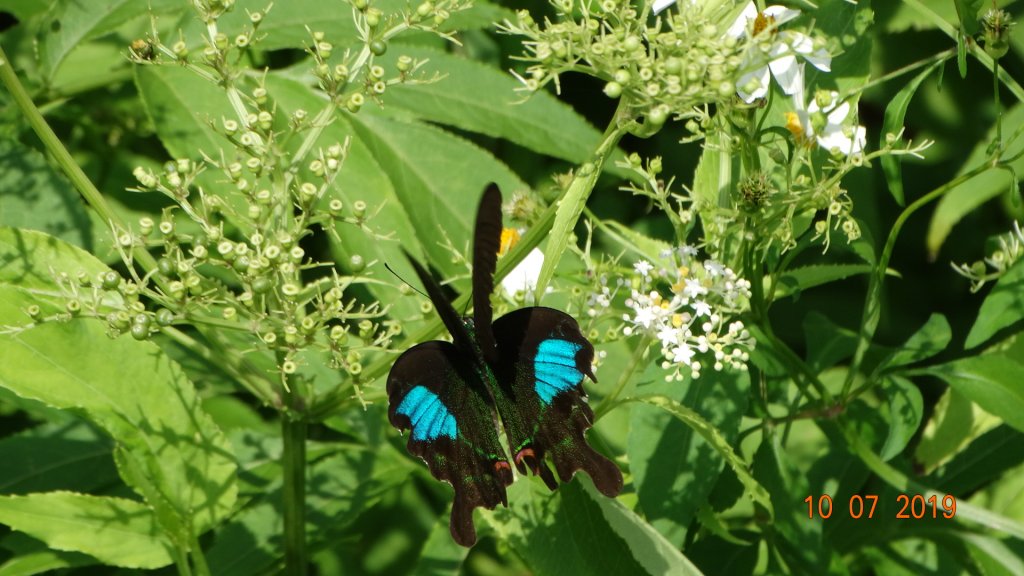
(404, 281)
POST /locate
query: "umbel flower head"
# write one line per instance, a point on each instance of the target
(695, 322)
(772, 53)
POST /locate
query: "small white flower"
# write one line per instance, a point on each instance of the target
(682, 354)
(783, 52)
(523, 278)
(693, 288)
(834, 135)
(643, 267)
(701, 308)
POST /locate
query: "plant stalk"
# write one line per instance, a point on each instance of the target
(294, 432)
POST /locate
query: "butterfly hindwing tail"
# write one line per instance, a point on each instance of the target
(434, 392)
(543, 361)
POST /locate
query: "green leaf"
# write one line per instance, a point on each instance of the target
(717, 440)
(675, 467)
(479, 98)
(827, 343)
(895, 113)
(967, 12)
(982, 462)
(181, 106)
(656, 554)
(564, 533)
(994, 382)
(963, 198)
(56, 457)
(169, 451)
(964, 510)
(115, 531)
(993, 556)
(439, 174)
(796, 280)
(31, 556)
(569, 208)
(441, 555)
(642, 245)
(71, 22)
(339, 489)
(29, 261)
(34, 196)
(1003, 307)
(928, 341)
(955, 422)
(905, 408)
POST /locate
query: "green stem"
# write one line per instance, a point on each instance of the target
(975, 50)
(294, 432)
(872, 304)
(181, 561)
(199, 559)
(999, 109)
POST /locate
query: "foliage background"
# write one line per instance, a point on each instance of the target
(432, 148)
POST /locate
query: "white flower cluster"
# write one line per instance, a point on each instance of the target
(697, 319)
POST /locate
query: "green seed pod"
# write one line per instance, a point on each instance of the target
(140, 332)
(110, 280)
(262, 285)
(613, 89)
(33, 312)
(373, 17)
(355, 102)
(378, 47)
(359, 208)
(164, 317)
(356, 263)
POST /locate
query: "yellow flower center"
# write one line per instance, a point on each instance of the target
(762, 22)
(793, 125)
(509, 238)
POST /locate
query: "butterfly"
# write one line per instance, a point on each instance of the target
(528, 365)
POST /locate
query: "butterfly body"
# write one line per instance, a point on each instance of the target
(528, 367)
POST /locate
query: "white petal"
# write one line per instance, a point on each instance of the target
(523, 278)
(738, 29)
(820, 59)
(788, 73)
(860, 139)
(762, 77)
(781, 14)
(839, 113)
(660, 5)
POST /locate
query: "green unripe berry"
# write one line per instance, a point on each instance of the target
(613, 89)
(164, 317)
(110, 280)
(140, 332)
(261, 285)
(378, 47)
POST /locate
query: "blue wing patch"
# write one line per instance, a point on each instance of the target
(554, 368)
(429, 416)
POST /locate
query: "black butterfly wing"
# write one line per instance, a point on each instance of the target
(543, 358)
(486, 243)
(451, 319)
(436, 392)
